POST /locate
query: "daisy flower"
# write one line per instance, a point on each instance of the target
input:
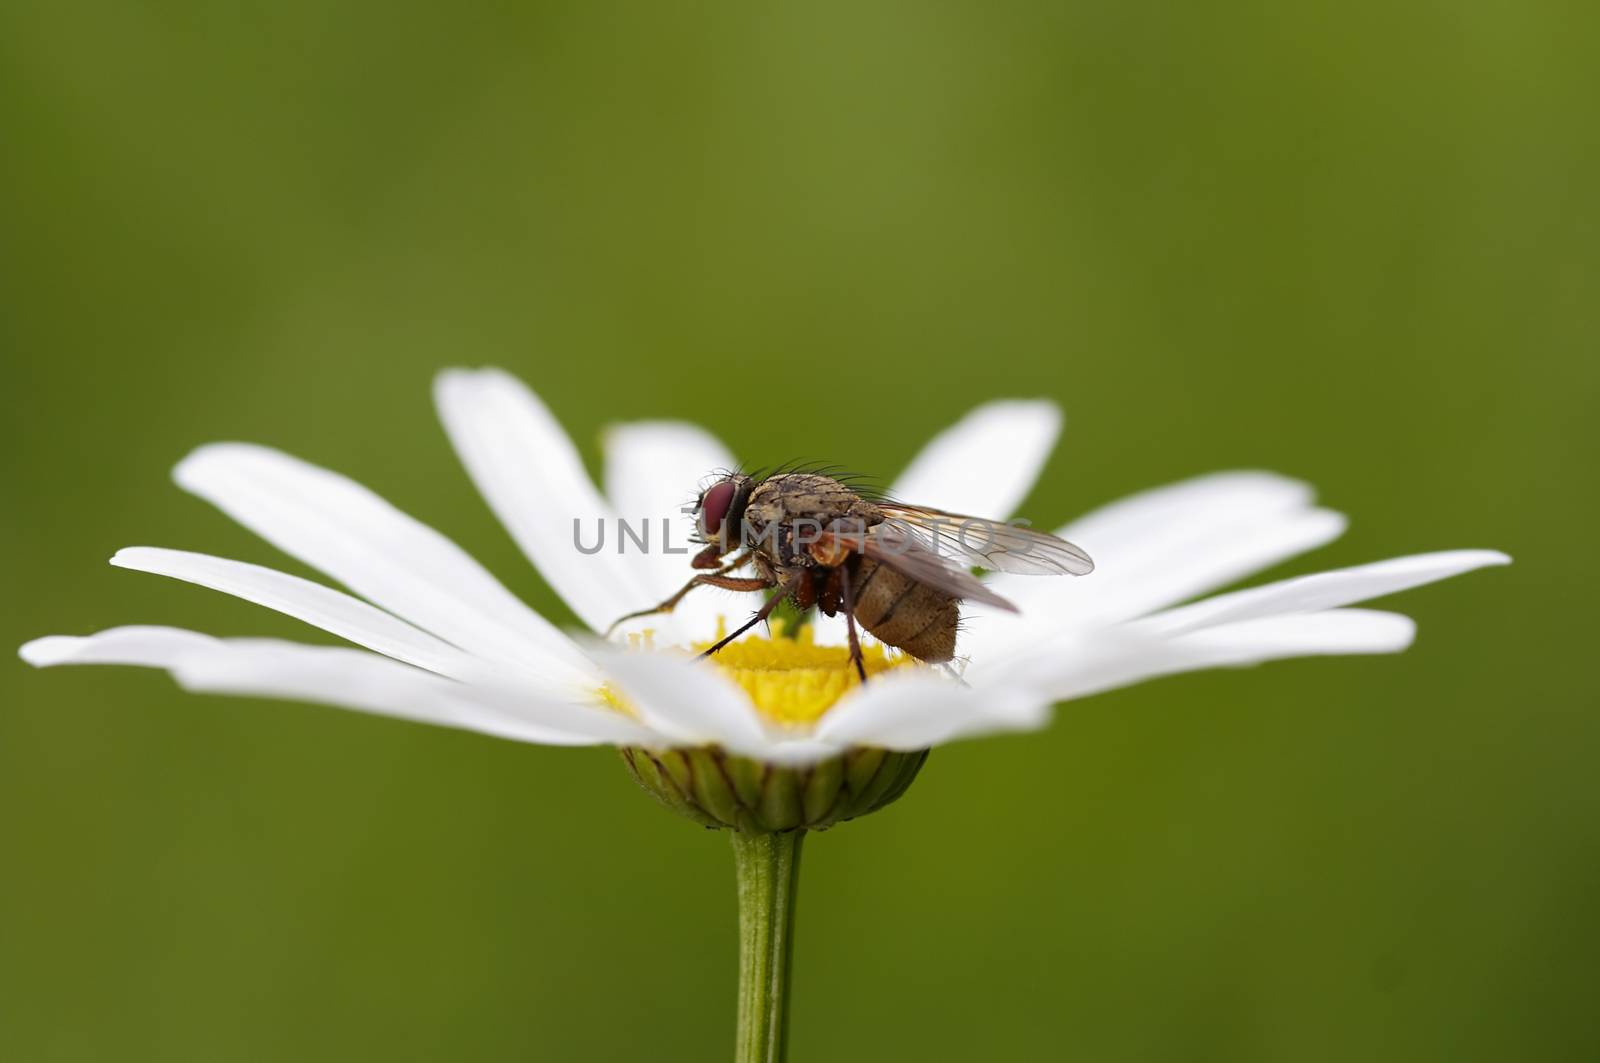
(444, 642)
(772, 733)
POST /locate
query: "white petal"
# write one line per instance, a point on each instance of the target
(1088, 664)
(687, 701)
(534, 480)
(652, 470)
(1334, 632)
(1324, 590)
(1205, 560)
(392, 560)
(320, 606)
(154, 647)
(986, 463)
(909, 711)
(355, 679)
(798, 750)
(352, 679)
(1159, 548)
(1133, 534)
(1145, 520)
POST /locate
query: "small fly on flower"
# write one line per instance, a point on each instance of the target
(900, 571)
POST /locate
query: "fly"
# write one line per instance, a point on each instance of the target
(899, 571)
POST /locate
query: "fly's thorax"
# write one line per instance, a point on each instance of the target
(786, 514)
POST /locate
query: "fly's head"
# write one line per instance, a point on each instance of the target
(719, 510)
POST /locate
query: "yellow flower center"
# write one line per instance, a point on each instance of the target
(792, 681)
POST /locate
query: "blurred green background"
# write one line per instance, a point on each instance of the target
(1354, 242)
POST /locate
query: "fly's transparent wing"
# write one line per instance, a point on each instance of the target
(889, 547)
(980, 543)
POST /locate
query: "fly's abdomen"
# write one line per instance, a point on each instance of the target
(904, 613)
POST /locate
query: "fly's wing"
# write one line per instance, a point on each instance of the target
(890, 547)
(980, 543)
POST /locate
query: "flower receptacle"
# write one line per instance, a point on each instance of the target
(719, 790)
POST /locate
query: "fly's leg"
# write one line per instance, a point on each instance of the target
(719, 578)
(847, 592)
(711, 557)
(760, 615)
(709, 579)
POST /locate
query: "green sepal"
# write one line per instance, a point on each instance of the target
(780, 807)
(861, 765)
(648, 771)
(712, 790)
(747, 775)
(822, 789)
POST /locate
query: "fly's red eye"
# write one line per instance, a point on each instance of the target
(714, 507)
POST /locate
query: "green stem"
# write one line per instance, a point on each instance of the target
(768, 870)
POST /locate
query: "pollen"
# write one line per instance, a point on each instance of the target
(792, 681)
